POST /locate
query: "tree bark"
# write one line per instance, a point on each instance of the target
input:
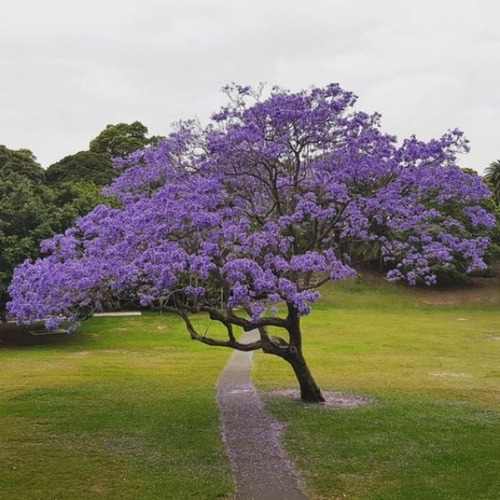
(309, 389)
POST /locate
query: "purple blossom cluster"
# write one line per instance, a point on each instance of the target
(262, 206)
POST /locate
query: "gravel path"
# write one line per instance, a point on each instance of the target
(261, 468)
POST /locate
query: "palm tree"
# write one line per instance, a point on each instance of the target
(493, 178)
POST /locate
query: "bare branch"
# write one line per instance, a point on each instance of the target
(273, 345)
(232, 342)
(231, 318)
(316, 284)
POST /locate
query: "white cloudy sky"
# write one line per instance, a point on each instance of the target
(68, 68)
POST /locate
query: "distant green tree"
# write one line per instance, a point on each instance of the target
(469, 170)
(121, 139)
(492, 177)
(84, 166)
(22, 162)
(73, 200)
(95, 165)
(494, 248)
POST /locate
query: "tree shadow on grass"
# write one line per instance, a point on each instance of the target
(12, 336)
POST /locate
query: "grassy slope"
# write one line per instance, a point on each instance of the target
(433, 431)
(123, 409)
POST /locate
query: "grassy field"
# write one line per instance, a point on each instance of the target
(433, 430)
(123, 409)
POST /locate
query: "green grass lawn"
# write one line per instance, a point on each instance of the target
(123, 409)
(433, 431)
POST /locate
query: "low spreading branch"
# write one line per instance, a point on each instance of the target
(231, 342)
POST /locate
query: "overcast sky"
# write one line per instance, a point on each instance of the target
(69, 68)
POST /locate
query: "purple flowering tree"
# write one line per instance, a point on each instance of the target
(245, 219)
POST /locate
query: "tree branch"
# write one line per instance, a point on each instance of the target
(273, 345)
(232, 342)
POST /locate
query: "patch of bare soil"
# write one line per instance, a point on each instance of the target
(452, 374)
(332, 399)
(492, 336)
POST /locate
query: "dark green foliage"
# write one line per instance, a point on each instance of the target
(492, 177)
(121, 139)
(86, 166)
(493, 253)
(21, 162)
(469, 171)
(76, 199)
(492, 180)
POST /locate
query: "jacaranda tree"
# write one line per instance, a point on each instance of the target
(245, 219)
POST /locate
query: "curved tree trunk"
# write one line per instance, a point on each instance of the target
(309, 390)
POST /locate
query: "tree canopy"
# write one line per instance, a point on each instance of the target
(245, 219)
(121, 139)
(84, 166)
(96, 165)
(20, 162)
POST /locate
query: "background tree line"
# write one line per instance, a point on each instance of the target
(36, 203)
